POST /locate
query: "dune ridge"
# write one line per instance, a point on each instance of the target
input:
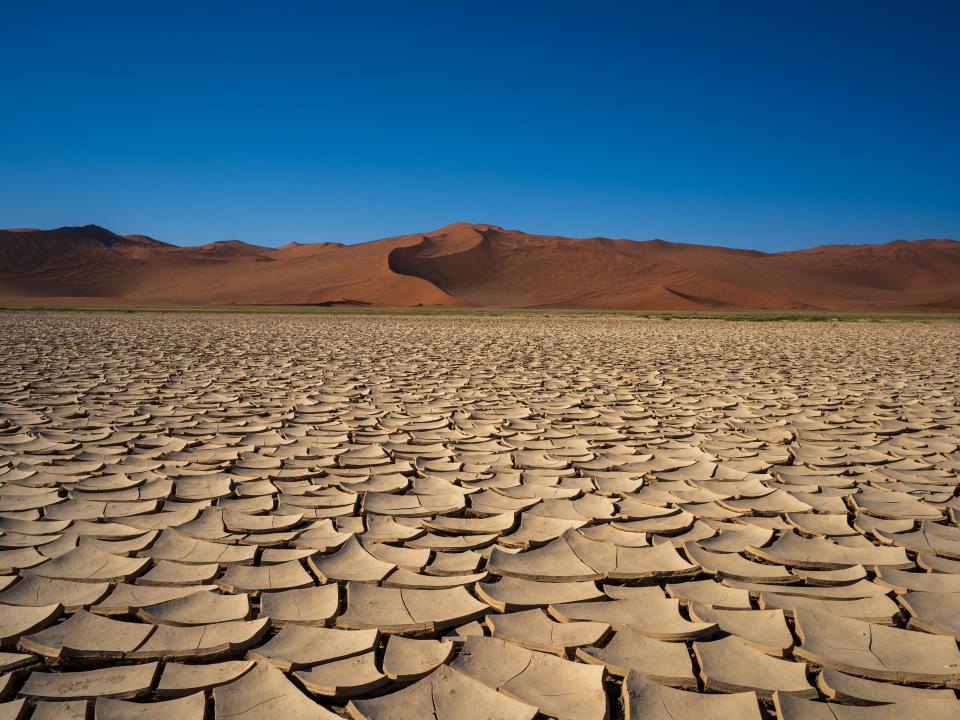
(477, 265)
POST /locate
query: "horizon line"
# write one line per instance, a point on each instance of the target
(16, 229)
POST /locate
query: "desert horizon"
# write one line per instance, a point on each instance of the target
(673, 435)
(478, 266)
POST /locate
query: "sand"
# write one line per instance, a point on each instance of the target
(478, 266)
(366, 516)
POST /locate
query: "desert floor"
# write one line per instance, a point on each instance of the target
(464, 517)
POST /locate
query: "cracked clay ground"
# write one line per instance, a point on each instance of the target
(466, 517)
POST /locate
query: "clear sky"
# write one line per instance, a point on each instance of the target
(764, 124)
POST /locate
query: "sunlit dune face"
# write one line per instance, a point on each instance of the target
(477, 265)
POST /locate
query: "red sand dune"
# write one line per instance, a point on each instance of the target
(476, 265)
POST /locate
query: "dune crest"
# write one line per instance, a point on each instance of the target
(476, 265)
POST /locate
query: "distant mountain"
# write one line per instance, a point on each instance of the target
(467, 264)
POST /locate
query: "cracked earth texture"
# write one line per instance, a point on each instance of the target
(247, 516)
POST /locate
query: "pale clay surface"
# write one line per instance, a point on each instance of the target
(244, 516)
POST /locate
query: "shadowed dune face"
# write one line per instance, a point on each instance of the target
(84, 261)
(507, 268)
(478, 265)
(91, 263)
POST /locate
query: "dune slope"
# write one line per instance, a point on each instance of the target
(476, 265)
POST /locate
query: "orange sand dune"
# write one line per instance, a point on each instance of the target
(476, 265)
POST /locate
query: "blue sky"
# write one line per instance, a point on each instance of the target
(753, 124)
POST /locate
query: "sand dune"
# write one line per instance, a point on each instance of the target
(476, 265)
